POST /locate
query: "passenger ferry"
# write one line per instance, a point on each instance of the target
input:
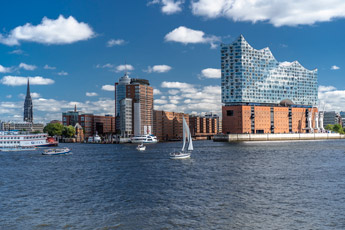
(148, 139)
(24, 140)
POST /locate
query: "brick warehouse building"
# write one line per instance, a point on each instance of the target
(262, 95)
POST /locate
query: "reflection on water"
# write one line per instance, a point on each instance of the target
(251, 185)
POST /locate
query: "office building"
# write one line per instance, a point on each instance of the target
(331, 118)
(141, 94)
(262, 95)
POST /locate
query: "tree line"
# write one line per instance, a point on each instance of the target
(57, 129)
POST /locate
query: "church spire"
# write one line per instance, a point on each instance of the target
(28, 113)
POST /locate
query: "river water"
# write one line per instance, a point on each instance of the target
(250, 185)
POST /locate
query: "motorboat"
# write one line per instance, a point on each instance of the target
(56, 151)
(141, 147)
(147, 139)
(187, 146)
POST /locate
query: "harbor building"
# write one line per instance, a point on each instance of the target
(133, 106)
(168, 126)
(90, 123)
(331, 118)
(28, 108)
(262, 95)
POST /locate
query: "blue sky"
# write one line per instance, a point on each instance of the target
(74, 51)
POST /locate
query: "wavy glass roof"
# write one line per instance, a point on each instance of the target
(255, 76)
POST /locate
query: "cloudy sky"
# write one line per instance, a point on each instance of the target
(74, 51)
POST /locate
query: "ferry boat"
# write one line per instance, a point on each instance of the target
(147, 139)
(23, 140)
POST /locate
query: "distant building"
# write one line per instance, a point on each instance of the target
(22, 126)
(141, 94)
(28, 108)
(331, 118)
(262, 95)
(55, 121)
(91, 124)
(168, 125)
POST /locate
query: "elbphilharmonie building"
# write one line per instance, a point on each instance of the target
(255, 76)
(262, 95)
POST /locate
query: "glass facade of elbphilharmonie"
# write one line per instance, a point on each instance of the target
(255, 76)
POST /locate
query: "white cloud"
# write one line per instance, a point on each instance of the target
(126, 67)
(160, 101)
(173, 91)
(27, 67)
(159, 69)
(186, 36)
(326, 88)
(62, 73)
(168, 6)
(17, 51)
(331, 98)
(5, 69)
(17, 81)
(278, 13)
(9, 96)
(176, 85)
(116, 42)
(171, 6)
(211, 73)
(156, 92)
(49, 67)
(91, 94)
(60, 31)
(191, 98)
(334, 67)
(108, 87)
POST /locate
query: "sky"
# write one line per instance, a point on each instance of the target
(74, 51)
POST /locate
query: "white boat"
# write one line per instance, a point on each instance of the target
(187, 146)
(147, 139)
(141, 147)
(57, 151)
(94, 139)
(23, 140)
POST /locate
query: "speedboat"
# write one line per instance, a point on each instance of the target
(57, 151)
(141, 147)
(147, 139)
(187, 146)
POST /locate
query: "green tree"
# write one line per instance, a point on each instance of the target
(329, 127)
(53, 129)
(68, 131)
(337, 128)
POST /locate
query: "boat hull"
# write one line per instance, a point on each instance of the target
(180, 155)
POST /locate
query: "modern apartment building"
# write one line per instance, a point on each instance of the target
(262, 95)
(141, 94)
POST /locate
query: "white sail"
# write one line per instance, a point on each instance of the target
(190, 146)
(184, 134)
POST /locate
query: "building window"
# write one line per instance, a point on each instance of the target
(230, 113)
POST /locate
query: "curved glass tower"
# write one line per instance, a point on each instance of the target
(251, 76)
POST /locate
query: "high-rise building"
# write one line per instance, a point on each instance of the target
(262, 95)
(255, 76)
(141, 94)
(28, 108)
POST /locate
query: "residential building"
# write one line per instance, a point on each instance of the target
(91, 124)
(262, 95)
(126, 117)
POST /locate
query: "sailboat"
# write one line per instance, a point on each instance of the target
(187, 146)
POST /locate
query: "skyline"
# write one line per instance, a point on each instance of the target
(75, 54)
